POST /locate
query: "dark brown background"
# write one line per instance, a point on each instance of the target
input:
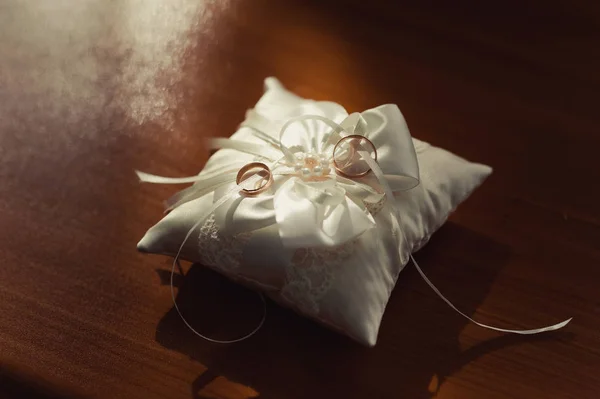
(91, 90)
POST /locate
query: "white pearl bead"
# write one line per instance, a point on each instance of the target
(318, 171)
(305, 172)
(297, 167)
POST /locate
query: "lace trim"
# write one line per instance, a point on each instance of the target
(218, 250)
(375, 207)
(308, 276)
(310, 273)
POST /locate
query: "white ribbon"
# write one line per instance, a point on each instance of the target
(251, 180)
(243, 146)
(396, 211)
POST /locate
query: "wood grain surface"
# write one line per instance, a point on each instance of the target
(92, 89)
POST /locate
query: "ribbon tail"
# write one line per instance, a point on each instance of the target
(149, 178)
(189, 194)
(288, 154)
(265, 137)
(522, 332)
(380, 176)
(242, 146)
(213, 208)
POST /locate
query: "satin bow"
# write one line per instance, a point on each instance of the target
(314, 206)
(320, 209)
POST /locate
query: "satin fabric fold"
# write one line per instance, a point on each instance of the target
(317, 215)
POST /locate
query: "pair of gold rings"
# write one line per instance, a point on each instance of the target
(346, 161)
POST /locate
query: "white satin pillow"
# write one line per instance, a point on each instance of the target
(345, 287)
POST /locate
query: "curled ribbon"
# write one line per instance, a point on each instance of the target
(251, 178)
(396, 211)
(313, 206)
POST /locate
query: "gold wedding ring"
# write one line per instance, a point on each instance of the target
(263, 169)
(349, 140)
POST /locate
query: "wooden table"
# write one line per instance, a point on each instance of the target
(91, 90)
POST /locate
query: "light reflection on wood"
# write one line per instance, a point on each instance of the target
(222, 388)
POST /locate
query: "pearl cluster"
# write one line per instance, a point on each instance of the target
(312, 165)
